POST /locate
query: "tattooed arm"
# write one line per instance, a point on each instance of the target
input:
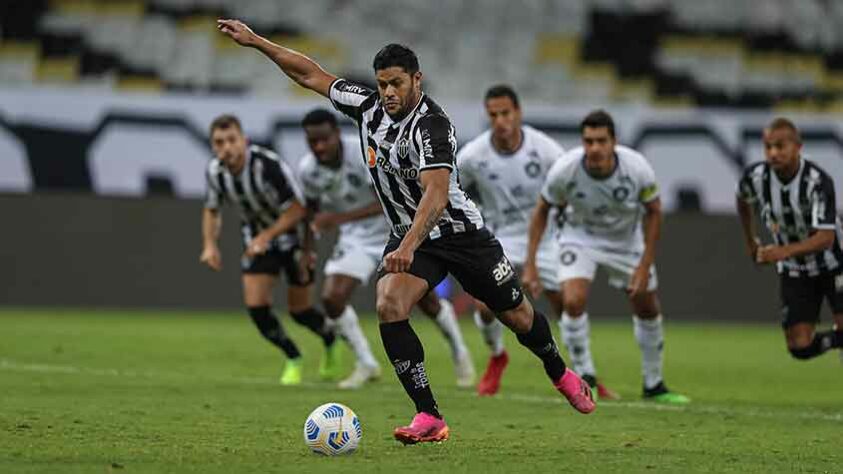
(435, 183)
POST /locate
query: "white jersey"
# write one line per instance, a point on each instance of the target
(345, 189)
(509, 184)
(602, 213)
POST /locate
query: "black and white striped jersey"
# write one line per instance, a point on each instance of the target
(397, 152)
(793, 211)
(262, 191)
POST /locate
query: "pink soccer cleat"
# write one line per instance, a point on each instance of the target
(491, 381)
(425, 428)
(577, 391)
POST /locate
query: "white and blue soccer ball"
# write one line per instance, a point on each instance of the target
(332, 429)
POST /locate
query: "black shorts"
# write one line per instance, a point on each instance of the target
(802, 298)
(475, 259)
(275, 261)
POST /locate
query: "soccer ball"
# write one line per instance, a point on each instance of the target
(332, 429)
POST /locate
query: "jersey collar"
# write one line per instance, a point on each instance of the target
(607, 177)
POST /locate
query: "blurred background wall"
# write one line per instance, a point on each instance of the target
(104, 107)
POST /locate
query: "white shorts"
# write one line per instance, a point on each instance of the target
(547, 259)
(581, 262)
(355, 258)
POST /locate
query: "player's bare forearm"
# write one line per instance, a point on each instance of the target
(211, 226)
(288, 220)
(298, 67)
(360, 213)
(821, 240)
(431, 206)
(747, 222)
(652, 231)
(538, 224)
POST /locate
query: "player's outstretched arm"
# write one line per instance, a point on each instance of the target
(298, 67)
(538, 224)
(211, 226)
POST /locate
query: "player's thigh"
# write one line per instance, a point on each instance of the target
(646, 305)
(299, 298)
(557, 303)
(396, 295)
(801, 301)
(429, 304)
(478, 262)
(257, 289)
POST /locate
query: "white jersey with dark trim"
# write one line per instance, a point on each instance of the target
(262, 191)
(397, 152)
(602, 213)
(793, 211)
(508, 184)
(344, 189)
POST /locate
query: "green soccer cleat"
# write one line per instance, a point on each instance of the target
(292, 373)
(660, 394)
(329, 366)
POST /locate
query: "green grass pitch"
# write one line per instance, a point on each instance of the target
(95, 391)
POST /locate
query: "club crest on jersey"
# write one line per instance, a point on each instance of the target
(621, 193)
(533, 169)
(403, 147)
(371, 156)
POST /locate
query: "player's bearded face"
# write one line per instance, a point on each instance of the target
(504, 117)
(324, 141)
(782, 149)
(399, 91)
(229, 145)
(599, 147)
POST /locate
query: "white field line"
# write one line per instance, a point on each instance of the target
(805, 413)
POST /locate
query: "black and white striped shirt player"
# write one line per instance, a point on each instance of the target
(265, 188)
(397, 152)
(793, 211)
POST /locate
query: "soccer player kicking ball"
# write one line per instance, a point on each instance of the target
(796, 201)
(268, 196)
(408, 143)
(507, 165)
(603, 189)
(338, 191)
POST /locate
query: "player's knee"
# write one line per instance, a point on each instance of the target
(389, 308)
(574, 306)
(519, 320)
(334, 304)
(802, 352)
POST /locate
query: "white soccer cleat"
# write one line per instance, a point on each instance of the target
(359, 377)
(464, 367)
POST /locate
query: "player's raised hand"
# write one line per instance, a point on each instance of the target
(211, 257)
(640, 281)
(238, 31)
(398, 261)
(530, 280)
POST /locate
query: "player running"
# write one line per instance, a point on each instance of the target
(265, 191)
(607, 192)
(409, 144)
(507, 165)
(336, 185)
(796, 202)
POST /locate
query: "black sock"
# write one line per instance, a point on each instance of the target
(540, 342)
(822, 342)
(271, 329)
(406, 353)
(314, 320)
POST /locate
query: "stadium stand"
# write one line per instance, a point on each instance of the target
(723, 53)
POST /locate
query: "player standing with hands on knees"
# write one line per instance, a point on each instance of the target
(409, 144)
(608, 193)
(796, 202)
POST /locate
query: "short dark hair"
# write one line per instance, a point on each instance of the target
(598, 119)
(224, 122)
(503, 90)
(396, 55)
(318, 117)
(779, 123)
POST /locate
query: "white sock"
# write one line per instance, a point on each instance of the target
(492, 333)
(447, 322)
(650, 337)
(576, 335)
(349, 329)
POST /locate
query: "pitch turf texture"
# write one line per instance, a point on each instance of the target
(172, 392)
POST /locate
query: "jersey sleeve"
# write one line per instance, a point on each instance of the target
(746, 191)
(555, 188)
(649, 187)
(823, 205)
(213, 194)
(347, 97)
(550, 152)
(466, 170)
(436, 142)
